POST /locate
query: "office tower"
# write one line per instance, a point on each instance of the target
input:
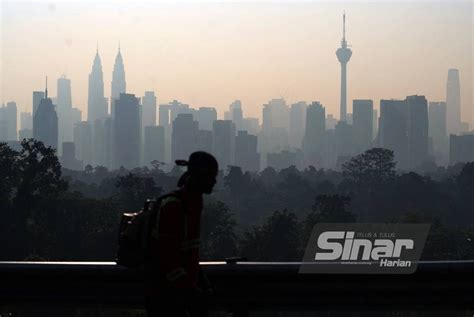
(126, 131)
(437, 128)
(204, 141)
(45, 122)
(224, 142)
(101, 142)
(37, 96)
(375, 123)
(251, 125)
(83, 142)
(26, 120)
(205, 116)
(8, 114)
(343, 55)
(314, 133)
(64, 107)
(96, 102)
(461, 148)
(3, 128)
(154, 144)
(246, 155)
(344, 138)
(275, 124)
(177, 108)
(149, 109)
(76, 116)
(285, 159)
(453, 102)
(164, 115)
(297, 124)
(25, 134)
(417, 130)
(68, 157)
(183, 136)
(119, 85)
(331, 122)
(363, 111)
(236, 114)
(393, 130)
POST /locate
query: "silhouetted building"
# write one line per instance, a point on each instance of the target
(3, 130)
(224, 142)
(126, 131)
(246, 155)
(148, 109)
(64, 108)
(343, 55)
(363, 111)
(183, 136)
(68, 157)
(331, 122)
(344, 142)
(9, 114)
(83, 142)
(461, 148)
(453, 102)
(205, 117)
(297, 124)
(314, 134)
(26, 120)
(45, 122)
(285, 159)
(251, 125)
(375, 123)
(102, 143)
(417, 130)
(119, 85)
(37, 96)
(236, 114)
(25, 134)
(204, 141)
(97, 107)
(154, 144)
(437, 128)
(76, 116)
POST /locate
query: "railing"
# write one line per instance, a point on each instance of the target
(245, 286)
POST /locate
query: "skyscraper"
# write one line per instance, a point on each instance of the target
(362, 124)
(37, 96)
(64, 108)
(118, 81)
(297, 124)
(437, 128)
(183, 136)
(417, 130)
(314, 134)
(246, 155)
(148, 109)
(453, 102)
(154, 144)
(343, 55)
(224, 142)
(96, 102)
(127, 131)
(45, 122)
(8, 118)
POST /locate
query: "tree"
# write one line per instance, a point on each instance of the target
(133, 191)
(374, 166)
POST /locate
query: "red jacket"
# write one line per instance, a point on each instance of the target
(175, 239)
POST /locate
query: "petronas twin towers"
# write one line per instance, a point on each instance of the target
(97, 107)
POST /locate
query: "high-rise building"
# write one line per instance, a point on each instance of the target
(126, 131)
(417, 130)
(9, 116)
(83, 142)
(149, 109)
(68, 157)
(246, 155)
(343, 55)
(453, 102)
(375, 123)
(297, 124)
(236, 114)
(119, 84)
(362, 125)
(183, 136)
(204, 141)
(64, 108)
(45, 122)
(224, 142)
(154, 144)
(437, 128)
(26, 120)
(96, 102)
(37, 96)
(461, 148)
(344, 137)
(205, 116)
(314, 134)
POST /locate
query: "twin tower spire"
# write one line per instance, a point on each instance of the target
(97, 106)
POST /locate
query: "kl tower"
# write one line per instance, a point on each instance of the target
(343, 55)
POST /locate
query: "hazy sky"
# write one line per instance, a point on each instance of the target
(209, 54)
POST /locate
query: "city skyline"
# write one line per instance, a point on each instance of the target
(433, 87)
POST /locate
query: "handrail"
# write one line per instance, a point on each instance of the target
(245, 285)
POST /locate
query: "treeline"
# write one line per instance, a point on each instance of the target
(49, 213)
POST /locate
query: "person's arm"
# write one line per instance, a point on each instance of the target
(170, 235)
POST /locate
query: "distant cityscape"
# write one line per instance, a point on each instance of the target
(123, 131)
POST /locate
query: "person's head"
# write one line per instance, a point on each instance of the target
(201, 173)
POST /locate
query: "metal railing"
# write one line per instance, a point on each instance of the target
(245, 286)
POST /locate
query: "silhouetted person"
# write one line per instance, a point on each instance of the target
(175, 284)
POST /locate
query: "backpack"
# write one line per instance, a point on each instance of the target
(135, 231)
